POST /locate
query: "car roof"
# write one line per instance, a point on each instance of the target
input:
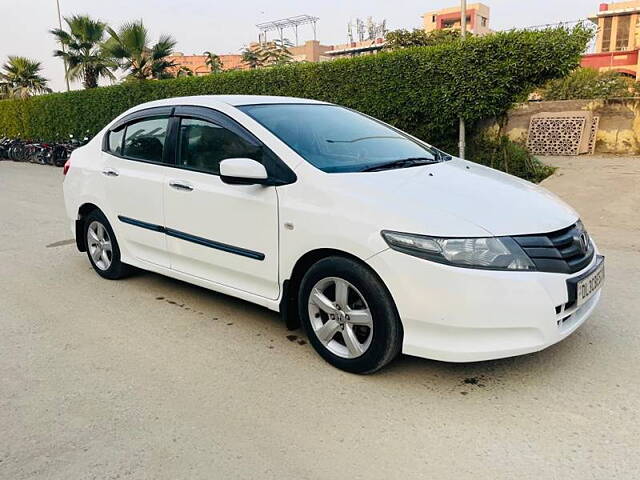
(216, 100)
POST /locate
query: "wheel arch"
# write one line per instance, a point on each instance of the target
(290, 286)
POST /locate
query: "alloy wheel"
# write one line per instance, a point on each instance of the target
(340, 317)
(99, 245)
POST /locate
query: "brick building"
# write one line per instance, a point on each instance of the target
(477, 19)
(198, 63)
(618, 40)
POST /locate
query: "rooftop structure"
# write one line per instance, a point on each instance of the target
(450, 18)
(286, 23)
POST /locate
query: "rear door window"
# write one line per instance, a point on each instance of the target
(145, 139)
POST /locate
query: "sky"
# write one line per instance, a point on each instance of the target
(226, 27)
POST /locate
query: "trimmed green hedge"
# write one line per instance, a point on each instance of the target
(422, 90)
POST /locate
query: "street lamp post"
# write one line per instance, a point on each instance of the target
(63, 48)
(463, 33)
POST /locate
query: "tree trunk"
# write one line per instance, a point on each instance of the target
(90, 79)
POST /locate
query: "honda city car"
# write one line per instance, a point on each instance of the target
(371, 239)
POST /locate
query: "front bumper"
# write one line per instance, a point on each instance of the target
(466, 315)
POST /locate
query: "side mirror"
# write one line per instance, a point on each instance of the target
(243, 171)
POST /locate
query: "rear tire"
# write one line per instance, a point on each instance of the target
(349, 315)
(102, 247)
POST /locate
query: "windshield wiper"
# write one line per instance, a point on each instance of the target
(365, 138)
(402, 163)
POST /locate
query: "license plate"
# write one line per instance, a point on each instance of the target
(587, 287)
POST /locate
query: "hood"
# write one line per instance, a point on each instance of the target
(458, 198)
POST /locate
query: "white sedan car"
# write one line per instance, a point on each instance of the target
(376, 242)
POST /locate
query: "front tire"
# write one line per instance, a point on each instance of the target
(102, 247)
(349, 315)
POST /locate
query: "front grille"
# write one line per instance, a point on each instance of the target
(565, 251)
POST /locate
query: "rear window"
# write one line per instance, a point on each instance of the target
(114, 145)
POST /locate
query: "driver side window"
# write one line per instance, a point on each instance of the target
(203, 145)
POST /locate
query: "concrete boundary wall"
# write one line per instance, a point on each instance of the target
(618, 132)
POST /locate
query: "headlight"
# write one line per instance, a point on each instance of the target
(497, 253)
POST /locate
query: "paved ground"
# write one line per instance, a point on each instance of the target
(154, 378)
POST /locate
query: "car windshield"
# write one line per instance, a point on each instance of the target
(336, 139)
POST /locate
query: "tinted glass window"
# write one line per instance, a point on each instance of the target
(144, 140)
(336, 139)
(203, 145)
(115, 141)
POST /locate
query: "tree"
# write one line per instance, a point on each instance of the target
(21, 78)
(419, 38)
(86, 60)
(268, 54)
(277, 52)
(184, 72)
(213, 62)
(586, 83)
(252, 58)
(130, 45)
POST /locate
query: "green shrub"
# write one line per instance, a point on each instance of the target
(587, 83)
(422, 90)
(419, 38)
(498, 151)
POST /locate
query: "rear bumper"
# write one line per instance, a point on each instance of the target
(466, 315)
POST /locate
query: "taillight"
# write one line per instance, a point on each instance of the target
(66, 167)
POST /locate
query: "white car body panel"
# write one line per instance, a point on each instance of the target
(232, 215)
(463, 314)
(448, 313)
(137, 192)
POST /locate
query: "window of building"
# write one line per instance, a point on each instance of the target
(203, 145)
(606, 34)
(455, 23)
(433, 19)
(144, 140)
(622, 35)
(484, 21)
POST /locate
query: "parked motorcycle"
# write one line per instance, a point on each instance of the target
(43, 153)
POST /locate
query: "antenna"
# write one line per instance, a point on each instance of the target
(366, 30)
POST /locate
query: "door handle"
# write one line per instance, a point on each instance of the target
(110, 172)
(183, 187)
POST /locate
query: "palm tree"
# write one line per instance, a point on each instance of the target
(21, 78)
(85, 58)
(213, 62)
(252, 58)
(268, 54)
(130, 45)
(277, 52)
